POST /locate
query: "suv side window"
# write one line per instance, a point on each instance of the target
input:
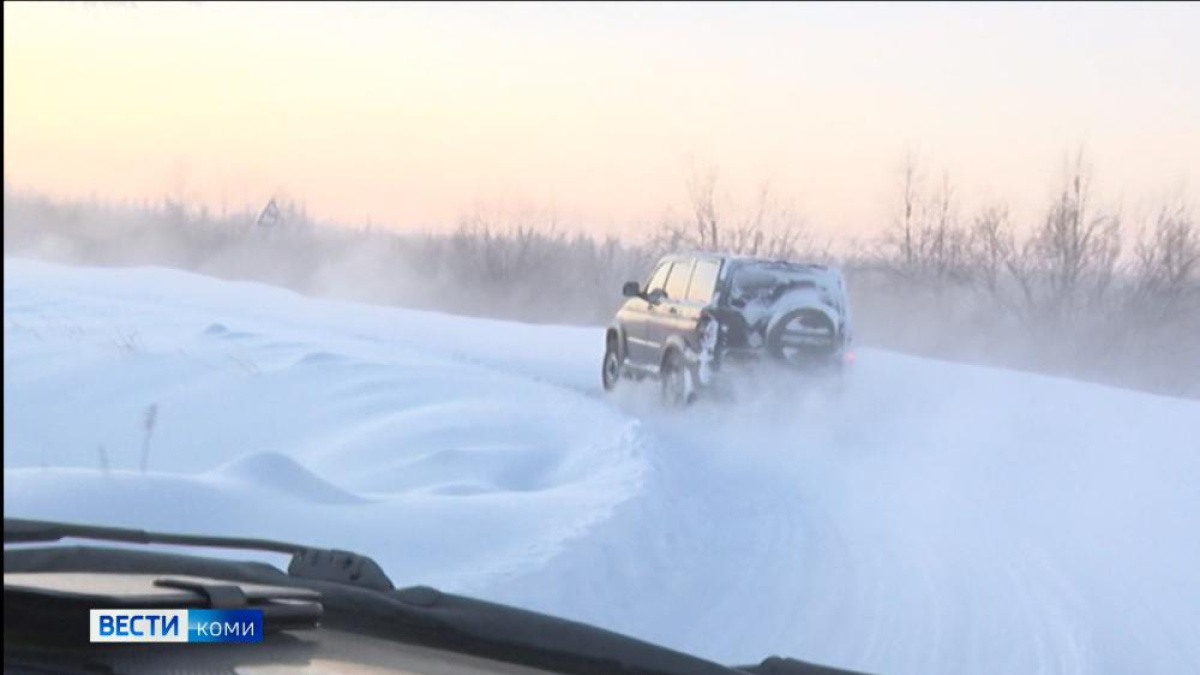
(659, 279)
(704, 281)
(677, 282)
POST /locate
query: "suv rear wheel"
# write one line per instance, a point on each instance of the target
(678, 381)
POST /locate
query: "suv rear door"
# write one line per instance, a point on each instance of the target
(688, 311)
(704, 282)
(668, 317)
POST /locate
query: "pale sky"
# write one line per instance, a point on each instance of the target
(412, 114)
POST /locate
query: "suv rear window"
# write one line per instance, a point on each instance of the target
(765, 281)
(677, 283)
(704, 280)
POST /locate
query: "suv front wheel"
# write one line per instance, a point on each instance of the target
(610, 372)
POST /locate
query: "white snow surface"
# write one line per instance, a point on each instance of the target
(932, 518)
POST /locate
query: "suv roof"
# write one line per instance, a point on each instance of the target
(741, 257)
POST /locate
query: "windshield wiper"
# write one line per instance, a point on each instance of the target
(307, 562)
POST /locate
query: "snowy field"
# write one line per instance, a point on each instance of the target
(933, 518)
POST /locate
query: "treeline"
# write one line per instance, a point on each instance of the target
(524, 266)
(1079, 292)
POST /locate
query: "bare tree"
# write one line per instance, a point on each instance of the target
(702, 197)
(1166, 267)
(764, 226)
(907, 219)
(1074, 252)
(991, 249)
(926, 241)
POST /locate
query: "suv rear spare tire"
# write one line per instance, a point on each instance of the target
(802, 337)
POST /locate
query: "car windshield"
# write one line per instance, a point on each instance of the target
(811, 330)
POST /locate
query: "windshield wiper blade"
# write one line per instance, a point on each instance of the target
(21, 531)
(307, 562)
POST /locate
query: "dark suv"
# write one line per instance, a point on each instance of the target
(698, 314)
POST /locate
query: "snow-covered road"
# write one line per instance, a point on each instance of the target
(934, 518)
